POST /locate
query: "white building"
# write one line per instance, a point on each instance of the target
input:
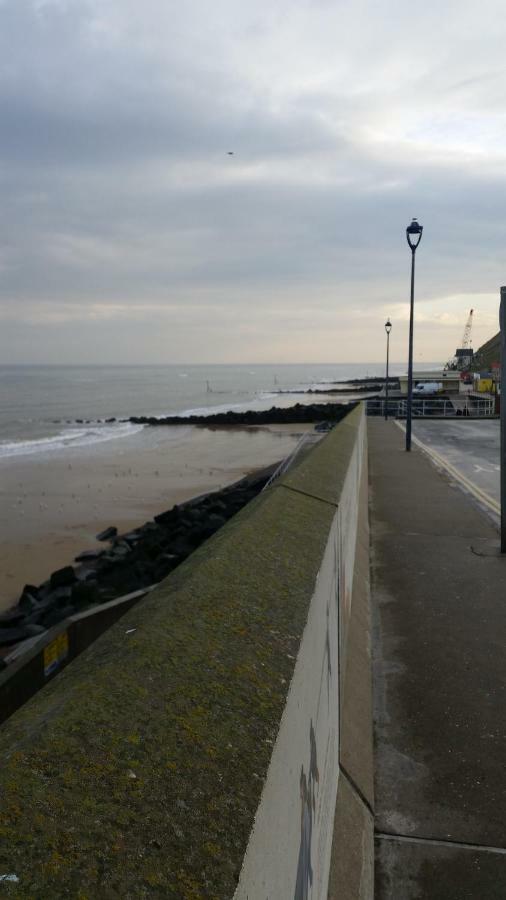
(450, 380)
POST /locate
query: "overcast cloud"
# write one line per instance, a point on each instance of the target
(129, 234)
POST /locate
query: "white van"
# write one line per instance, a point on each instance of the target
(428, 387)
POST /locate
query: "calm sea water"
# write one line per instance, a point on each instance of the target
(39, 404)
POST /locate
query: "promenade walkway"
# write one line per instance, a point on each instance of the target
(439, 604)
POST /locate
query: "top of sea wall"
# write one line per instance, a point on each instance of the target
(138, 771)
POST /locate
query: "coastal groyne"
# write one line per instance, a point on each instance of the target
(216, 741)
(276, 415)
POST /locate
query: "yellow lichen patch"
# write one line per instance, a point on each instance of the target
(190, 888)
(53, 865)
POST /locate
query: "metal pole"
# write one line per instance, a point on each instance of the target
(410, 356)
(502, 324)
(386, 382)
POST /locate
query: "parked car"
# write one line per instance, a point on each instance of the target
(427, 387)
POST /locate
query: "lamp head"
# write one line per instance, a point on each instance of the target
(414, 234)
(388, 326)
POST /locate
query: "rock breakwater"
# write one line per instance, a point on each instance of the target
(128, 562)
(276, 415)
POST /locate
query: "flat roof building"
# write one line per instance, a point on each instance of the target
(450, 380)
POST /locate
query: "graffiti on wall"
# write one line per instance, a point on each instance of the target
(308, 788)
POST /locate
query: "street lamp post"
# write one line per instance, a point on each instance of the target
(388, 328)
(502, 326)
(413, 236)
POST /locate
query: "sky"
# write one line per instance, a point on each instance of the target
(129, 234)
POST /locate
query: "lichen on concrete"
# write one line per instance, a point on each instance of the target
(137, 771)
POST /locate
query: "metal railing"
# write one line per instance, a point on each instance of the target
(440, 407)
(303, 444)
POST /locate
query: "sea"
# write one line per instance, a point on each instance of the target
(39, 405)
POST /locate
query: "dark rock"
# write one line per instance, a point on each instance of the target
(195, 514)
(132, 537)
(84, 573)
(107, 594)
(121, 544)
(154, 550)
(118, 552)
(10, 636)
(214, 521)
(106, 561)
(85, 594)
(88, 554)
(107, 534)
(180, 548)
(169, 558)
(298, 413)
(57, 615)
(108, 421)
(36, 617)
(149, 526)
(62, 577)
(27, 602)
(33, 629)
(59, 596)
(195, 537)
(166, 518)
(11, 617)
(89, 575)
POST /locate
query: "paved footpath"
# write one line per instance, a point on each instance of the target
(439, 604)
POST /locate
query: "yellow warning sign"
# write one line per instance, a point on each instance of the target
(55, 653)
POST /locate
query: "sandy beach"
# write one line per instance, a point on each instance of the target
(54, 504)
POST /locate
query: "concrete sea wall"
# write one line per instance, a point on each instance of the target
(216, 741)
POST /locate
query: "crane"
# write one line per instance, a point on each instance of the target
(463, 354)
(466, 339)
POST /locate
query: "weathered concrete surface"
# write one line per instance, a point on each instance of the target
(414, 871)
(356, 734)
(352, 863)
(290, 849)
(125, 773)
(440, 679)
(352, 869)
(137, 772)
(311, 476)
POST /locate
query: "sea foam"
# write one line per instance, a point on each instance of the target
(68, 438)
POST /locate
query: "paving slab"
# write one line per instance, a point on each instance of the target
(414, 871)
(440, 672)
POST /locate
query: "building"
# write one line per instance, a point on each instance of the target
(450, 380)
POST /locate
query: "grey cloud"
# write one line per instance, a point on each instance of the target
(117, 187)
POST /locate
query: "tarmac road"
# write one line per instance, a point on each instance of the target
(470, 452)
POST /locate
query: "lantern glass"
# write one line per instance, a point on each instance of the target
(414, 234)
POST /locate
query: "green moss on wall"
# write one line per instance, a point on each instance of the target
(137, 772)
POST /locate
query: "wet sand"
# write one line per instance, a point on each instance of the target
(54, 505)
